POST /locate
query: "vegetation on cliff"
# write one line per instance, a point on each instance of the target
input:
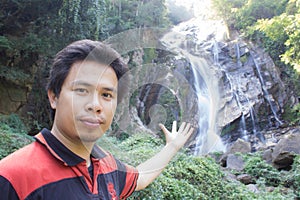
(275, 25)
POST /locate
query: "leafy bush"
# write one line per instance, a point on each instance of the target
(296, 175)
(186, 177)
(190, 177)
(292, 178)
(259, 168)
(12, 134)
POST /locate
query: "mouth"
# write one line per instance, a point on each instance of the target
(92, 122)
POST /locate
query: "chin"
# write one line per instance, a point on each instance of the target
(91, 138)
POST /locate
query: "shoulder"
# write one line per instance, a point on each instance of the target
(21, 156)
(32, 167)
(24, 162)
(15, 168)
(17, 158)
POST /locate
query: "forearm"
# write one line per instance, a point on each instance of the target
(151, 169)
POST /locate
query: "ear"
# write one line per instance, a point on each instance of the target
(52, 99)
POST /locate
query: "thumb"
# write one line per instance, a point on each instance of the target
(164, 129)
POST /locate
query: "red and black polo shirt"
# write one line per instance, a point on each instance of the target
(47, 170)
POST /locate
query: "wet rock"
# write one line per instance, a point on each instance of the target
(285, 151)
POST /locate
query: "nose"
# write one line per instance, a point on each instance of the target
(95, 105)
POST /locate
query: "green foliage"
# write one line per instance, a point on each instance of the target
(258, 168)
(140, 147)
(243, 13)
(292, 178)
(292, 114)
(296, 175)
(186, 177)
(4, 42)
(255, 10)
(292, 55)
(189, 177)
(18, 77)
(149, 55)
(33, 31)
(228, 9)
(12, 134)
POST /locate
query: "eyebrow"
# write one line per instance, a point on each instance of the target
(84, 83)
(78, 82)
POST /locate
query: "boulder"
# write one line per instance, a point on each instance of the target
(245, 178)
(285, 151)
(235, 162)
(253, 188)
(240, 146)
(267, 156)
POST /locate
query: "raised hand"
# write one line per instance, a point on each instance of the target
(177, 138)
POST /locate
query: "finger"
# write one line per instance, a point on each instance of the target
(182, 127)
(187, 129)
(190, 132)
(164, 129)
(174, 127)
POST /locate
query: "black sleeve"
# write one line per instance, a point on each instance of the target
(7, 192)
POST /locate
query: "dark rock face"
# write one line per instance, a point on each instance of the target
(247, 93)
(13, 96)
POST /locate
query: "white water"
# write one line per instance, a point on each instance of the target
(187, 39)
(266, 93)
(194, 40)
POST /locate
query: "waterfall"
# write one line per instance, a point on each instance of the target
(265, 90)
(251, 112)
(187, 43)
(236, 90)
(203, 110)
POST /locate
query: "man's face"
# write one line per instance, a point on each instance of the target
(87, 102)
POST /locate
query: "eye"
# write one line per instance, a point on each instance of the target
(107, 95)
(81, 91)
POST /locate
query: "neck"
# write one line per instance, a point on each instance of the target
(76, 146)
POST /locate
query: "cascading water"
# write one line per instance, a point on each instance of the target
(251, 112)
(235, 89)
(203, 110)
(264, 87)
(186, 39)
(214, 59)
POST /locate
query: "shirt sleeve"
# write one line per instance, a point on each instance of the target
(128, 178)
(7, 192)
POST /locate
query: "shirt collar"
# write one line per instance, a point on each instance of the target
(61, 152)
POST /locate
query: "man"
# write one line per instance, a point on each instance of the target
(65, 163)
